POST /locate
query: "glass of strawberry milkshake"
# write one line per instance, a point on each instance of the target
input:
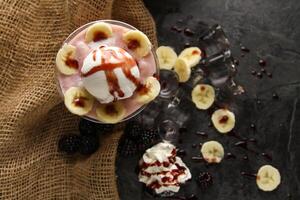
(107, 71)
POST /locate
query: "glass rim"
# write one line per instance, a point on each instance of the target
(114, 22)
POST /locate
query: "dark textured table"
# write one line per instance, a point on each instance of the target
(271, 30)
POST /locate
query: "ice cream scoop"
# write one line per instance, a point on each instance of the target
(110, 73)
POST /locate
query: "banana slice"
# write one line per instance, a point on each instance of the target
(166, 57)
(223, 120)
(111, 113)
(203, 96)
(268, 178)
(78, 101)
(149, 91)
(138, 42)
(182, 69)
(98, 31)
(65, 60)
(212, 151)
(192, 55)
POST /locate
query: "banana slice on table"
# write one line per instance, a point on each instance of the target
(223, 120)
(203, 96)
(166, 57)
(182, 69)
(149, 91)
(192, 55)
(98, 31)
(65, 60)
(138, 42)
(212, 151)
(111, 113)
(78, 100)
(268, 178)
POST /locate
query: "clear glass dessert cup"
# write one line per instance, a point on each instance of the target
(113, 22)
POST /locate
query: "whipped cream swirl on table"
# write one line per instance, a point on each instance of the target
(161, 170)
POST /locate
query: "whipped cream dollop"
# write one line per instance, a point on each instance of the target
(110, 73)
(161, 170)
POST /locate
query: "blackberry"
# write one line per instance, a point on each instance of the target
(87, 127)
(69, 143)
(148, 138)
(89, 144)
(127, 147)
(133, 130)
(205, 180)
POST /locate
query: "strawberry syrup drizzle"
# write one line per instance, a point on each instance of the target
(167, 181)
(125, 63)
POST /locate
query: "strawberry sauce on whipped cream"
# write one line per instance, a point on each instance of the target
(110, 74)
(161, 170)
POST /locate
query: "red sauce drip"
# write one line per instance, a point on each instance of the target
(125, 64)
(94, 55)
(103, 67)
(142, 89)
(132, 78)
(133, 44)
(79, 101)
(195, 52)
(113, 83)
(223, 120)
(166, 179)
(166, 164)
(72, 63)
(99, 36)
(154, 185)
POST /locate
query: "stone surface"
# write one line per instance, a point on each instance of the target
(271, 30)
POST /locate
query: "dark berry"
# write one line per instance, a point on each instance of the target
(259, 75)
(175, 28)
(253, 72)
(275, 96)
(187, 44)
(258, 101)
(69, 143)
(188, 32)
(263, 70)
(133, 130)
(127, 147)
(148, 138)
(262, 62)
(245, 49)
(201, 133)
(89, 144)
(87, 127)
(205, 180)
(252, 126)
(269, 75)
(236, 62)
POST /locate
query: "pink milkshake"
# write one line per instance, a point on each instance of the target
(107, 71)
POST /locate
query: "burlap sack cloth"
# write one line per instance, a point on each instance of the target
(32, 114)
